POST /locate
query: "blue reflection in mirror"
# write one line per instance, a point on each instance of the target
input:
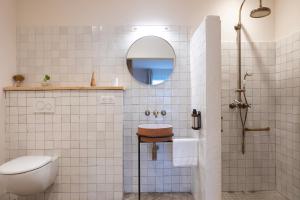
(150, 71)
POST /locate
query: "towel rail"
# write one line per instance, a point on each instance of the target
(258, 129)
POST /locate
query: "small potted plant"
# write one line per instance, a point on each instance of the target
(18, 79)
(46, 80)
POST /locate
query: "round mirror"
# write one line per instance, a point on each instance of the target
(150, 60)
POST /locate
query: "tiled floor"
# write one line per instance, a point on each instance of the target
(265, 195)
(160, 196)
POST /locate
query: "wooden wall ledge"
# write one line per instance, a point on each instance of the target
(52, 87)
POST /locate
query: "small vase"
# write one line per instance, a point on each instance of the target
(18, 83)
(93, 80)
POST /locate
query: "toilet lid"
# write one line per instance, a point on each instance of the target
(24, 164)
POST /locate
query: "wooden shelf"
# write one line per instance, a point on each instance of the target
(53, 87)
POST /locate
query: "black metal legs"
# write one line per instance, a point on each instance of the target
(139, 168)
(140, 141)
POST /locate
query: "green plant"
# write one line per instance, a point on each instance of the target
(46, 78)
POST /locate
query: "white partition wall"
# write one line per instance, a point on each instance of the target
(205, 58)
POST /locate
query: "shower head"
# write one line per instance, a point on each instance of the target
(247, 74)
(260, 12)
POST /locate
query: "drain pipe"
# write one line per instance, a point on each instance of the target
(155, 148)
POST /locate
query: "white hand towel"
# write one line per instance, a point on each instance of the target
(185, 152)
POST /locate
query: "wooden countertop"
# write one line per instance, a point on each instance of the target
(53, 87)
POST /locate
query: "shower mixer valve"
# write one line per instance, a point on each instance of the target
(239, 104)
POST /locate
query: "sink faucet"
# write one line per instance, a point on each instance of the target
(156, 113)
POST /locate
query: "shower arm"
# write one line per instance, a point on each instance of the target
(238, 26)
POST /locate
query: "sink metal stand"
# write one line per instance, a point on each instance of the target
(140, 141)
(139, 167)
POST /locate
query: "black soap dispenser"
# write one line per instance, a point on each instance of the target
(196, 119)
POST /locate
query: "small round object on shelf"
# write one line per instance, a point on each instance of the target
(18, 79)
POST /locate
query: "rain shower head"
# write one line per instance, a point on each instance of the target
(260, 12)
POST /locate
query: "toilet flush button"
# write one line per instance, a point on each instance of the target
(44, 105)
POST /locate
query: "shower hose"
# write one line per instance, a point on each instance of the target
(243, 121)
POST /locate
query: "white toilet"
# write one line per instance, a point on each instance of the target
(29, 175)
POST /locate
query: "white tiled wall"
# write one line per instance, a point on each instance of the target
(256, 169)
(172, 96)
(71, 54)
(274, 94)
(288, 116)
(85, 133)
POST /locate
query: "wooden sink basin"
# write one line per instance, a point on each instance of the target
(155, 132)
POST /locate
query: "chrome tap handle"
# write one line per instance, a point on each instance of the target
(147, 113)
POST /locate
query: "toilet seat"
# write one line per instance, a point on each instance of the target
(24, 164)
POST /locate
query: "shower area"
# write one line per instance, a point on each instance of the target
(260, 115)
